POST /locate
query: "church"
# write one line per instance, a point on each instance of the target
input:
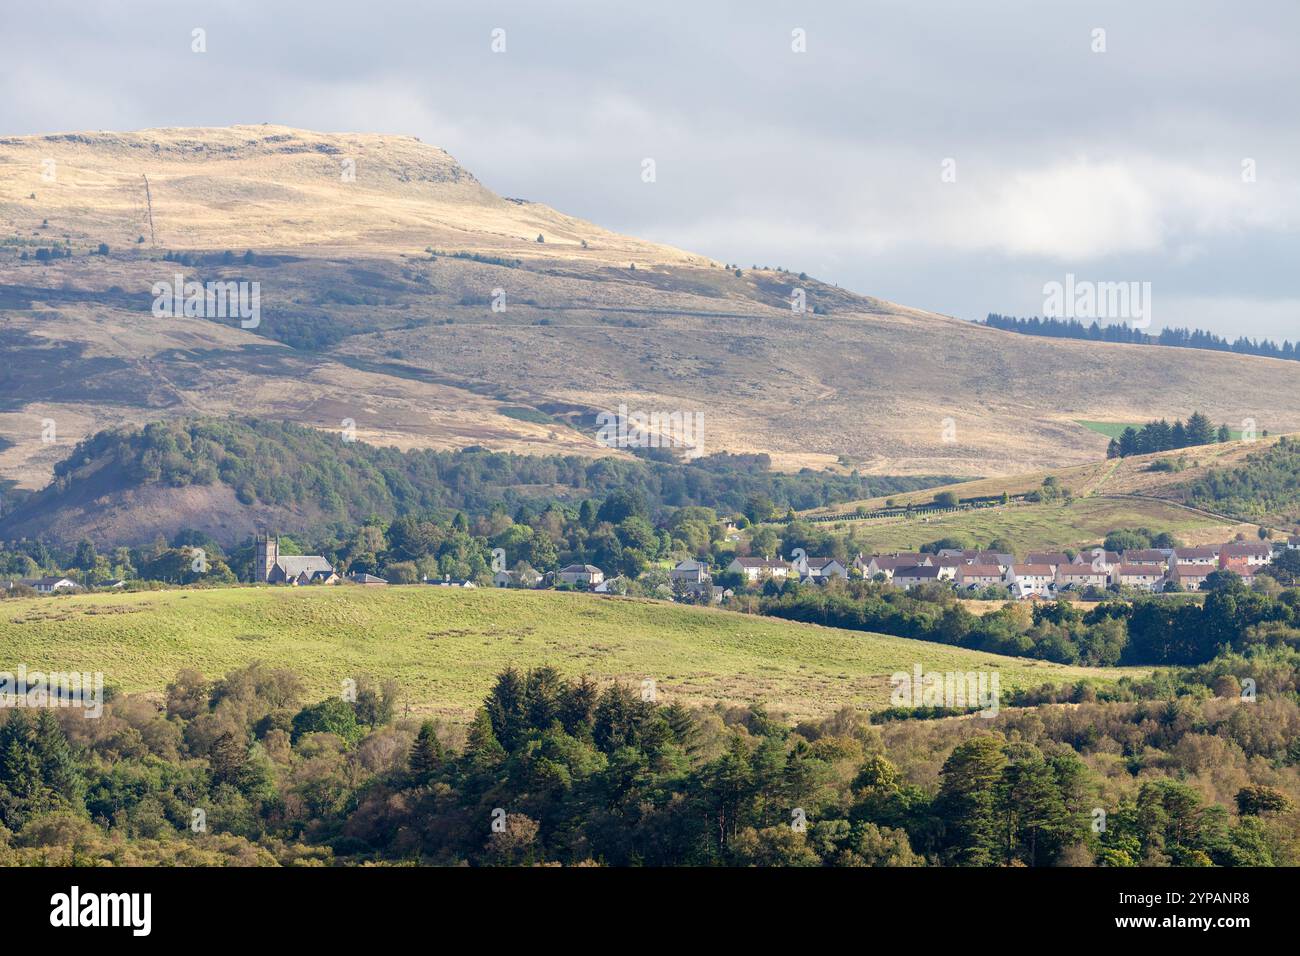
(274, 568)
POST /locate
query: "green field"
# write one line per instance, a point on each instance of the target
(444, 646)
(1109, 429)
(1115, 429)
(1038, 527)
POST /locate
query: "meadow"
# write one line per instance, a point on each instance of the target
(1041, 527)
(1115, 429)
(443, 647)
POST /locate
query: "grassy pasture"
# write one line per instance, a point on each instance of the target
(1115, 429)
(1039, 527)
(444, 646)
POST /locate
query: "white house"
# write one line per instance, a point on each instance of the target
(690, 572)
(1256, 553)
(755, 569)
(525, 577)
(45, 585)
(887, 564)
(1205, 555)
(823, 569)
(587, 574)
(1144, 577)
(948, 564)
(1099, 559)
(910, 577)
(1080, 576)
(1027, 579)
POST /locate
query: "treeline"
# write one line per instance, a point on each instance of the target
(1146, 631)
(1267, 485)
(624, 532)
(239, 771)
(1161, 436)
(343, 483)
(1178, 338)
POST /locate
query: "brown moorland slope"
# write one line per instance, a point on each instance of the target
(377, 300)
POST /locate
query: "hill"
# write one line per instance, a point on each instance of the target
(445, 646)
(1264, 486)
(377, 296)
(1201, 495)
(227, 477)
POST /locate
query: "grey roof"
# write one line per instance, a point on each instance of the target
(917, 571)
(1237, 548)
(295, 564)
(1142, 555)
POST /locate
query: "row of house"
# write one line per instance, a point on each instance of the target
(807, 569)
(574, 575)
(45, 585)
(1045, 572)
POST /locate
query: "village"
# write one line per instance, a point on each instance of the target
(970, 572)
(1042, 574)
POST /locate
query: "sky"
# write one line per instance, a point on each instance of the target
(949, 155)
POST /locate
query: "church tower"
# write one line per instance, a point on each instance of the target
(266, 555)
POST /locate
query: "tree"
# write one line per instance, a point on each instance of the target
(506, 710)
(620, 505)
(967, 801)
(1257, 799)
(482, 749)
(38, 770)
(426, 755)
(515, 844)
(1199, 430)
(228, 761)
(759, 508)
(331, 716)
(1033, 817)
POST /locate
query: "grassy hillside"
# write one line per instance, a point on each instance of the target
(1115, 429)
(1046, 526)
(1164, 491)
(1265, 486)
(444, 647)
(376, 297)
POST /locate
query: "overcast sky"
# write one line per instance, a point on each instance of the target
(1122, 165)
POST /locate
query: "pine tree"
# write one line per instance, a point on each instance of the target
(966, 801)
(426, 753)
(482, 748)
(1199, 430)
(505, 709)
(578, 707)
